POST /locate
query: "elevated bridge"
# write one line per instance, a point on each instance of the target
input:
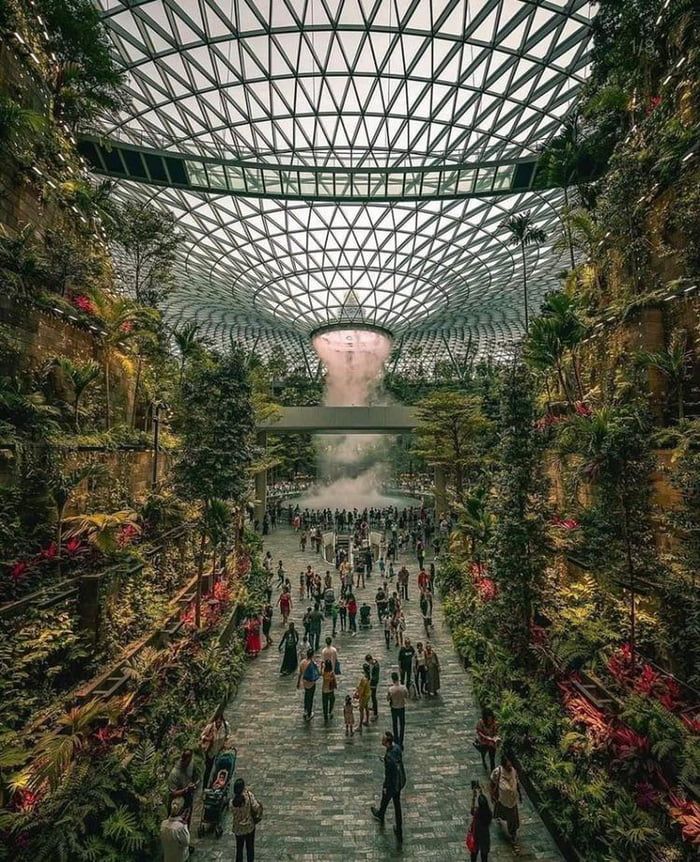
(392, 419)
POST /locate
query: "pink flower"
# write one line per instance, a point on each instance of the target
(73, 546)
(127, 327)
(83, 303)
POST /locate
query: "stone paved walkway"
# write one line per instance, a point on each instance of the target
(316, 785)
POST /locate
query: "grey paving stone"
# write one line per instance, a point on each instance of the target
(316, 785)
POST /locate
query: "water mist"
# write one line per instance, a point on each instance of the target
(354, 464)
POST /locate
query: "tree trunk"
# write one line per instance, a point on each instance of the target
(76, 406)
(681, 411)
(108, 417)
(137, 382)
(59, 538)
(567, 228)
(632, 584)
(200, 572)
(527, 319)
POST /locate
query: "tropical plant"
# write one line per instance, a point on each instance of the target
(675, 363)
(102, 530)
(553, 335)
(217, 443)
(86, 79)
(19, 127)
(188, 345)
(81, 376)
(27, 412)
(523, 233)
(22, 263)
(62, 486)
(475, 520)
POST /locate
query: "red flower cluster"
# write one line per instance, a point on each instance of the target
(582, 409)
(127, 327)
(21, 568)
(582, 711)
(242, 565)
(222, 592)
(126, 535)
(485, 587)
(25, 800)
(83, 303)
(643, 679)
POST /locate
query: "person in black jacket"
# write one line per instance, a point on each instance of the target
(481, 812)
(373, 683)
(394, 781)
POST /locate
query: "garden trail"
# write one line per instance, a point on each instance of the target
(316, 786)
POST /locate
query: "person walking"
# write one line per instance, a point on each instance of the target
(183, 780)
(308, 676)
(285, 604)
(426, 609)
(432, 664)
(289, 644)
(343, 613)
(175, 834)
(373, 684)
(421, 670)
(402, 578)
(349, 716)
(328, 686)
(213, 741)
(397, 697)
(280, 574)
(394, 782)
(506, 794)
(315, 626)
(487, 738)
(335, 610)
(352, 614)
(330, 653)
(406, 654)
(363, 693)
(480, 829)
(267, 623)
(387, 631)
(246, 813)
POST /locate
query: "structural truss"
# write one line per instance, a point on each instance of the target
(347, 160)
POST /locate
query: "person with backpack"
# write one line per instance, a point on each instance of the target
(307, 677)
(394, 783)
(246, 813)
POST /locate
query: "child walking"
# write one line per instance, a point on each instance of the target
(349, 716)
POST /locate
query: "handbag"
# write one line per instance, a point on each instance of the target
(337, 668)
(470, 840)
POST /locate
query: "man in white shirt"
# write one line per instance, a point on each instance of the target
(174, 834)
(397, 697)
(329, 653)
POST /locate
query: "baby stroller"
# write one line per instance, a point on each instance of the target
(215, 798)
(328, 601)
(365, 616)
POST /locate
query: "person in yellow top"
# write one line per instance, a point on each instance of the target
(363, 693)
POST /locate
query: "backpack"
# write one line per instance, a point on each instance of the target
(311, 673)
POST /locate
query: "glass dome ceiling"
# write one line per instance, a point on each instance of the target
(350, 86)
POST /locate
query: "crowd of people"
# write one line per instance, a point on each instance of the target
(313, 653)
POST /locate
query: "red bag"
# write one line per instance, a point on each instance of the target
(470, 840)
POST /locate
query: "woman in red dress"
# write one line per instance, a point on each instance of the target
(252, 636)
(285, 603)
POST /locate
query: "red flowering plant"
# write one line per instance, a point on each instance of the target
(19, 571)
(222, 592)
(83, 303)
(73, 547)
(565, 523)
(646, 795)
(127, 534)
(686, 813)
(644, 679)
(581, 711)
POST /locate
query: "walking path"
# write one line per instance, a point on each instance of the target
(317, 786)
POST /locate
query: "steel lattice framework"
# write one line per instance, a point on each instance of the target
(288, 89)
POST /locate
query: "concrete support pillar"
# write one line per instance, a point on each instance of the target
(89, 605)
(440, 482)
(261, 485)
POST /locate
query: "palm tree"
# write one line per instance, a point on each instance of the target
(102, 530)
(675, 363)
(559, 330)
(117, 315)
(523, 233)
(188, 345)
(475, 520)
(81, 375)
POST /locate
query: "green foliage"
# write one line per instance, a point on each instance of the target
(19, 126)
(88, 79)
(675, 363)
(217, 439)
(519, 540)
(147, 241)
(454, 433)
